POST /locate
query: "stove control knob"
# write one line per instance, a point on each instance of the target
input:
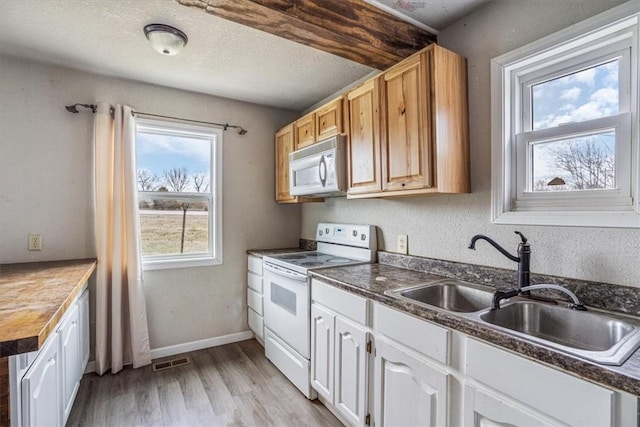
(363, 236)
(320, 233)
(355, 233)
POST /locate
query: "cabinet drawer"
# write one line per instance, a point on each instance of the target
(540, 387)
(329, 120)
(254, 282)
(254, 301)
(255, 264)
(256, 323)
(345, 303)
(420, 335)
(305, 131)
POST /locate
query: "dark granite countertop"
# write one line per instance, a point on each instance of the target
(266, 252)
(372, 280)
(304, 245)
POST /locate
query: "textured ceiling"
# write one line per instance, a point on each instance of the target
(434, 14)
(222, 58)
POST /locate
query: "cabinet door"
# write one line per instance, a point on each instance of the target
(364, 146)
(406, 131)
(84, 322)
(69, 351)
(284, 146)
(408, 391)
(329, 120)
(322, 340)
(351, 357)
(41, 388)
(484, 409)
(450, 119)
(305, 131)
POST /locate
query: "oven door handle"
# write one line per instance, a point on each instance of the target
(284, 272)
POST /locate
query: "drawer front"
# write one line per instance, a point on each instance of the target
(255, 264)
(254, 282)
(345, 303)
(418, 334)
(540, 387)
(256, 323)
(254, 301)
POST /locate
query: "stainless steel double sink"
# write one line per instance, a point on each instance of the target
(594, 335)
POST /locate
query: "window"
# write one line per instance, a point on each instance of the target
(565, 127)
(178, 177)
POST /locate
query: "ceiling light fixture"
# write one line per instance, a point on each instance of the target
(165, 39)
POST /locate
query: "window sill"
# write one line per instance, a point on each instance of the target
(571, 219)
(180, 263)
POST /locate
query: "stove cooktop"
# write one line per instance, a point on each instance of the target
(302, 261)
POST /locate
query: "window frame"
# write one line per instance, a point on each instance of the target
(598, 40)
(213, 197)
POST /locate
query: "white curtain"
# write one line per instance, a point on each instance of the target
(122, 336)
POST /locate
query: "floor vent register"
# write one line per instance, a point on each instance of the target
(168, 364)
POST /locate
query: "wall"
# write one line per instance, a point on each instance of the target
(46, 187)
(441, 226)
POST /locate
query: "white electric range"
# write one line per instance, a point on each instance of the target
(287, 296)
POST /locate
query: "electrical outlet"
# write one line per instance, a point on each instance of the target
(35, 242)
(403, 244)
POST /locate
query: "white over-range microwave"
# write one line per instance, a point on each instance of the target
(320, 169)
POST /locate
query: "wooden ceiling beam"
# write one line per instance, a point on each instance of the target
(352, 29)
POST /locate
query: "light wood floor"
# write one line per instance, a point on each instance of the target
(228, 385)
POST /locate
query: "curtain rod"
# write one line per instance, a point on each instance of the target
(74, 109)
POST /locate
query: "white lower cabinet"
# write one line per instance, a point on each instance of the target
(322, 354)
(483, 408)
(351, 369)
(540, 393)
(70, 358)
(43, 384)
(255, 304)
(41, 388)
(409, 391)
(422, 374)
(340, 352)
(84, 322)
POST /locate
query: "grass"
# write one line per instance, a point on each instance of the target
(161, 232)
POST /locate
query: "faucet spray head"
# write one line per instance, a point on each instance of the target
(524, 239)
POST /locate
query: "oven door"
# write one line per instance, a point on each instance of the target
(287, 307)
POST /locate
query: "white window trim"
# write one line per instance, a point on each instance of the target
(214, 255)
(621, 21)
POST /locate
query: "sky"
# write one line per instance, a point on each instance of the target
(157, 153)
(585, 95)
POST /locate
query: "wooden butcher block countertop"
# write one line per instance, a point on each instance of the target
(33, 298)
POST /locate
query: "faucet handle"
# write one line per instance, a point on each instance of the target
(524, 239)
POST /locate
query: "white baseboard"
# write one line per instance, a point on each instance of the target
(157, 353)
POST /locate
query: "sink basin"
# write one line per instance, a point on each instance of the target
(594, 336)
(451, 295)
